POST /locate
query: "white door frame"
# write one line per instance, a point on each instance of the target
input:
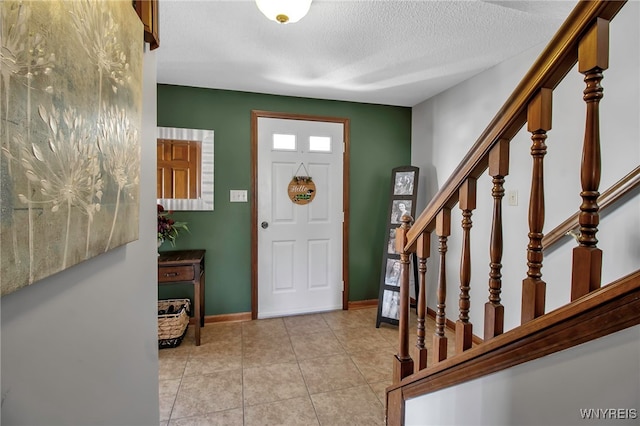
(255, 114)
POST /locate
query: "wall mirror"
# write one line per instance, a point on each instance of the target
(185, 168)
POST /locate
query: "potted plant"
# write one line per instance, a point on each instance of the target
(167, 227)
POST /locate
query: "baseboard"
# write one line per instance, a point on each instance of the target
(240, 316)
(452, 326)
(362, 304)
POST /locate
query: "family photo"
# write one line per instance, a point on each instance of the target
(391, 304)
(403, 184)
(399, 209)
(392, 274)
(391, 246)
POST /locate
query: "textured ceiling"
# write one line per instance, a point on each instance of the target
(394, 52)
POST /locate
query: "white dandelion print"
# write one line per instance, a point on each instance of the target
(70, 117)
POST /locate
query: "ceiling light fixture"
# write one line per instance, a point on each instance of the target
(284, 11)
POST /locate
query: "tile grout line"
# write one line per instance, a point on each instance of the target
(244, 417)
(315, 411)
(175, 398)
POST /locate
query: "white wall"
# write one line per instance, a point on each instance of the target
(80, 347)
(546, 391)
(446, 126)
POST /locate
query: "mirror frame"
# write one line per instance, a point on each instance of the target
(205, 137)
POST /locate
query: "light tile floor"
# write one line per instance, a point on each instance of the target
(321, 369)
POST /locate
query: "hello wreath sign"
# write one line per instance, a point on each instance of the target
(302, 189)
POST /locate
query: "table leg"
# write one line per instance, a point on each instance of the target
(197, 315)
(202, 287)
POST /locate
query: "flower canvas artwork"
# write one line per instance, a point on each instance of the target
(70, 120)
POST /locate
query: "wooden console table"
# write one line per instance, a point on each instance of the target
(186, 267)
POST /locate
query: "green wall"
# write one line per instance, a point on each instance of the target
(380, 140)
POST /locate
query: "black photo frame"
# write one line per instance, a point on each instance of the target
(402, 200)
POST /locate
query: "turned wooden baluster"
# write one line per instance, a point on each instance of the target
(493, 309)
(533, 288)
(403, 364)
(467, 203)
(423, 252)
(593, 59)
(443, 230)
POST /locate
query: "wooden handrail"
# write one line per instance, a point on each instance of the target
(557, 59)
(607, 198)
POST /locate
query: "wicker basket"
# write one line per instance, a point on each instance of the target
(173, 320)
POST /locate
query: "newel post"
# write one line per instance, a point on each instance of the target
(593, 59)
(402, 363)
(533, 288)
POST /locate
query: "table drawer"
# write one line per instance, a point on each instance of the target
(175, 273)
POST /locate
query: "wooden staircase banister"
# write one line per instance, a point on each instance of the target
(557, 59)
(592, 311)
(606, 199)
(563, 328)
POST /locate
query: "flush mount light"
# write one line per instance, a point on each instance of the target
(284, 11)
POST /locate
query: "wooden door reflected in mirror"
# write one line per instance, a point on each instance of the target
(185, 168)
(178, 169)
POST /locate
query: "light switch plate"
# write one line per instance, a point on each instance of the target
(238, 195)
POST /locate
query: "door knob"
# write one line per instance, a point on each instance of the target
(264, 225)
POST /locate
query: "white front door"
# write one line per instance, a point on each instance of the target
(299, 246)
